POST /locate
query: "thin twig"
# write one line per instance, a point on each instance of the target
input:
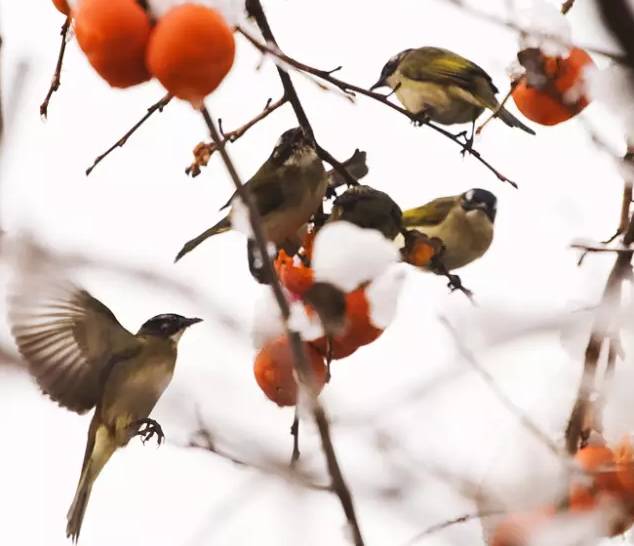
(300, 361)
(351, 88)
(582, 417)
(295, 433)
(495, 113)
(205, 150)
(157, 106)
(567, 6)
(511, 25)
(526, 422)
(56, 81)
(255, 10)
(449, 523)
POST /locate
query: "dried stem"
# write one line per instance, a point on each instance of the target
(567, 6)
(449, 523)
(255, 10)
(349, 88)
(205, 150)
(584, 415)
(525, 421)
(295, 433)
(157, 106)
(56, 81)
(299, 356)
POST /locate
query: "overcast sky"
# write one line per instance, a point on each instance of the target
(138, 207)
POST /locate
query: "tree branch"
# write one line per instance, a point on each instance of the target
(351, 88)
(302, 367)
(56, 81)
(255, 10)
(157, 106)
(584, 416)
(567, 6)
(204, 150)
(618, 17)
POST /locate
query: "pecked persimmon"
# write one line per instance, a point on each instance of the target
(599, 461)
(295, 276)
(358, 331)
(114, 35)
(275, 374)
(62, 6)
(555, 96)
(191, 51)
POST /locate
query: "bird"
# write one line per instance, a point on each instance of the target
(444, 87)
(368, 208)
(83, 358)
(287, 190)
(464, 224)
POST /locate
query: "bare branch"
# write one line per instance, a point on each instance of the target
(204, 150)
(526, 422)
(301, 364)
(157, 106)
(449, 523)
(567, 6)
(348, 87)
(56, 81)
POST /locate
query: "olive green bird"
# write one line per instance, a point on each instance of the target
(287, 190)
(464, 224)
(368, 208)
(443, 86)
(82, 358)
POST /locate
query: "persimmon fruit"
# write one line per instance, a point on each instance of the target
(114, 35)
(519, 529)
(547, 104)
(358, 331)
(296, 277)
(274, 370)
(62, 6)
(191, 51)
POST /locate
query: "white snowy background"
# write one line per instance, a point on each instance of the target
(407, 412)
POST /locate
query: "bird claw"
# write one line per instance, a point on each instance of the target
(148, 428)
(455, 283)
(421, 118)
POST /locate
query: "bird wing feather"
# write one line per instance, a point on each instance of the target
(433, 64)
(430, 214)
(69, 340)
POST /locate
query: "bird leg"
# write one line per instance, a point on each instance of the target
(147, 428)
(422, 117)
(468, 141)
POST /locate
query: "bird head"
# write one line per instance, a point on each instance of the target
(167, 326)
(477, 199)
(293, 147)
(389, 69)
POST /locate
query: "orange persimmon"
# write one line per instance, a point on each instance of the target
(296, 277)
(114, 35)
(520, 529)
(191, 51)
(548, 104)
(274, 370)
(598, 460)
(62, 6)
(358, 331)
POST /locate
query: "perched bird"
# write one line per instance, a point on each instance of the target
(287, 189)
(464, 224)
(81, 357)
(443, 86)
(368, 208)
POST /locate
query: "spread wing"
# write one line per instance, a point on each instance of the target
(433, 64)
(431, 214)
(68, 338)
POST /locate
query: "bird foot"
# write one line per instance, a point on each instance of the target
(147, 429)
(455, 283)
(468, 142)
(421, 118)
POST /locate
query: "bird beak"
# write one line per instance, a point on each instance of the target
(188, 322)
(378, 84)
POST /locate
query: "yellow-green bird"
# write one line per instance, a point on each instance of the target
(464, 223)
(287, 190)
(82, 358)
(443, 86)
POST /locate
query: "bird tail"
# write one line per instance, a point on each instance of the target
(99, 449)
(512, 121)
(220, 227)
